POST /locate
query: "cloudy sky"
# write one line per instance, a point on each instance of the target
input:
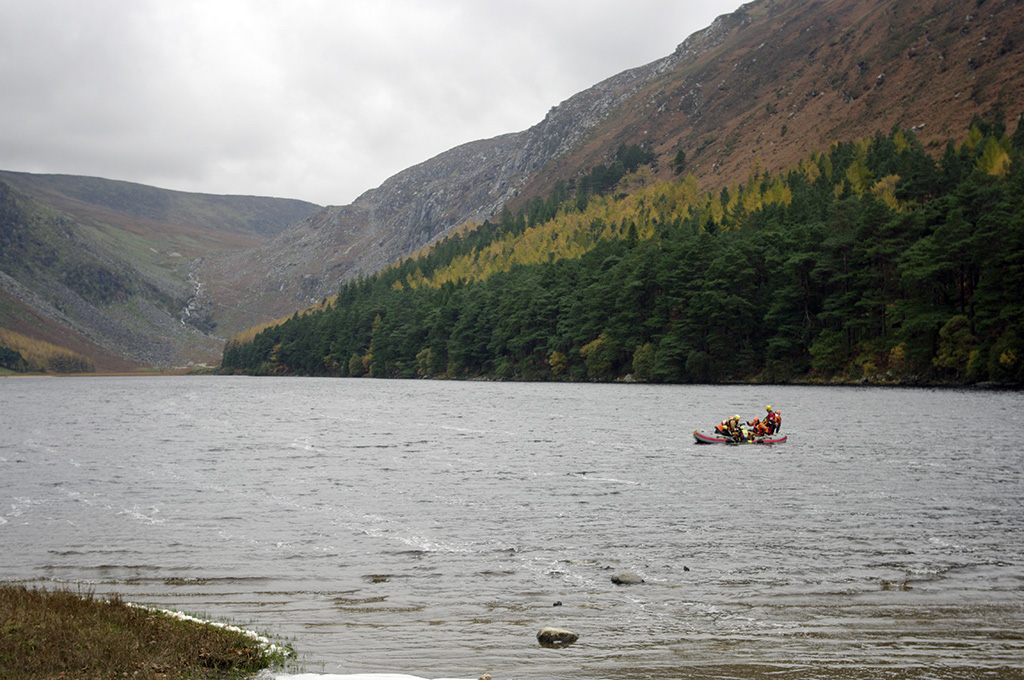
(312, 99)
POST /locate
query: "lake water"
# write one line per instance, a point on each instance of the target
(433, 528)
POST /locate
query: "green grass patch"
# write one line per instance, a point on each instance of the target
(63, 634)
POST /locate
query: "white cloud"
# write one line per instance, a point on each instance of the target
(313, 99)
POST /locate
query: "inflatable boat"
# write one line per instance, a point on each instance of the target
(715, 438)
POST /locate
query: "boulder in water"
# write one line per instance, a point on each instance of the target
(556, 637)
(626, 578)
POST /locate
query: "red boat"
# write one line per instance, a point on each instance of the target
(715, 438)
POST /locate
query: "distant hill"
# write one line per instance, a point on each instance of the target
(105, 268)
(233, 220)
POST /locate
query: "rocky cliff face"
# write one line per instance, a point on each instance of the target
(469, 183)
(759, 89)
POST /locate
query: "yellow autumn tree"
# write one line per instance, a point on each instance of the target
(810, 169)
(41, 356)
(995, 157)
(885, 191)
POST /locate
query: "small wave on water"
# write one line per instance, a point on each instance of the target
(137, 514)
(610, 480)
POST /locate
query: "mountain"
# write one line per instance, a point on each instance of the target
(759, 88)
(105, 268)
(776, 80)
(870, 261)
(756, 91)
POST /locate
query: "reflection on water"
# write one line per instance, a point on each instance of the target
(433, 528)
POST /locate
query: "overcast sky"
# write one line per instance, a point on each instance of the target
(312, 99)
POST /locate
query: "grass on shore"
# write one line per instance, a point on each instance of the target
(62, 634)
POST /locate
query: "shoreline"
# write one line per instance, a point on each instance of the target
(987, 386)
(62, 633)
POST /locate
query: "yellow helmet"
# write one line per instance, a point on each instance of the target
(768, 408)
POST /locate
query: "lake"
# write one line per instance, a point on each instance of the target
(433, 528)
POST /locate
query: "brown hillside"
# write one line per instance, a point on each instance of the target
(779, 79)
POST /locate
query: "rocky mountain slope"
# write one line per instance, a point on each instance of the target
(778, 79)
(105, 268)
(469, 183)
(758, 89)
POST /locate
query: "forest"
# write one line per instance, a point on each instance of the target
(873, 261)
(21, 354)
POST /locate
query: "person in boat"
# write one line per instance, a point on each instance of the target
(772, 421)
(735, 430)
(757, 428)
(730, 427)
(723, 427)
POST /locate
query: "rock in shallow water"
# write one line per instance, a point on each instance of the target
(626, 578)
(556, 637)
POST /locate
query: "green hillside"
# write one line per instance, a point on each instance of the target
(871, 260)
